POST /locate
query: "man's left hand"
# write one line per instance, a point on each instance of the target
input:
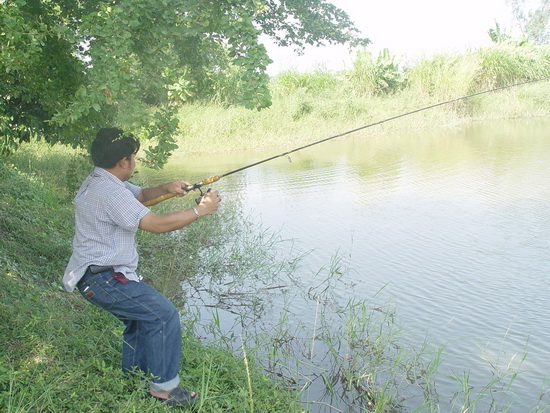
(177, 187)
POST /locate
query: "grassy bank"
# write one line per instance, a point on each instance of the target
(57, 353)
(302, 117)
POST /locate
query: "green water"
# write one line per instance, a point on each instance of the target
(453, 225)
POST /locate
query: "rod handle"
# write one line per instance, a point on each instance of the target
(158, 199)
(208, 181)
(188, 188)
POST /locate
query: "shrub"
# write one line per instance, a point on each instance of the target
(371, 77)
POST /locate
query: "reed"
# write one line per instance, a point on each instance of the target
(363, 75)
(445, 76)
(349, 354)
(318, 81)
(504, 64)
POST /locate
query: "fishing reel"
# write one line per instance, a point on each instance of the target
(199, 199)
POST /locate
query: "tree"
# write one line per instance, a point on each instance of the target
(497, 35)
(534, 22)
(68, 68)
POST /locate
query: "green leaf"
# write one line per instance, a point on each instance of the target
(62, 56)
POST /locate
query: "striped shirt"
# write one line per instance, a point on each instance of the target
(107, 216)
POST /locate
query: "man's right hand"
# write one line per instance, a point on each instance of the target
(160, 223)
(209, 203)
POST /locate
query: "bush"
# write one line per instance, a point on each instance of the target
(371, 77)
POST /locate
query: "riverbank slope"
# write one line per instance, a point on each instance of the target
(58, 353)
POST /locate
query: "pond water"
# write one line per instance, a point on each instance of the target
(452, 225)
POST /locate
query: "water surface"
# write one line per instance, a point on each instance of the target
(451, 225)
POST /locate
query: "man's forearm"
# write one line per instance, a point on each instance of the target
(160, 223)
(176, 188)
(153, 192)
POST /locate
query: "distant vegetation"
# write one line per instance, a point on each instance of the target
(440, 77)
(311, 105)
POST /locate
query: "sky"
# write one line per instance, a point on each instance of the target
(408, 28)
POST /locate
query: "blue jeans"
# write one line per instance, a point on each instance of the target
(152, 337)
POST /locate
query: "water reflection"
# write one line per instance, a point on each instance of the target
(452, 225)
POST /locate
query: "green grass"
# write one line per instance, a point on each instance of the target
(58, 353)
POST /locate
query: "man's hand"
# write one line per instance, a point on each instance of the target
(159, 223)
(177, 187)
(209, 204)
(154, 195)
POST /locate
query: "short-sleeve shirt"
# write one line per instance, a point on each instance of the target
(107, 216)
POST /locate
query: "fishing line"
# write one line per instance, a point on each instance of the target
(215, 178)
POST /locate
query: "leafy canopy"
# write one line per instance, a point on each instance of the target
(70, 67)
(533, 19)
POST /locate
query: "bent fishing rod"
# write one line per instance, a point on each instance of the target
(216, 178)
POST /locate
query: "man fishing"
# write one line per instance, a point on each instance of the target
(108, 212)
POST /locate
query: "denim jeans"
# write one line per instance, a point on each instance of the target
(152, 337)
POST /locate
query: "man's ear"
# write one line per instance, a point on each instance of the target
(122, 162)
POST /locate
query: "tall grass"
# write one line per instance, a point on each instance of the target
(505, 64)
(318, 81)
(311, 106)
(445, 76)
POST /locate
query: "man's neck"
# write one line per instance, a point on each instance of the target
(118, 172)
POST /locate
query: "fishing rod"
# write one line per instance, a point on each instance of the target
(216, 178)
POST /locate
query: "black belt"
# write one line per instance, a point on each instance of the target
(95, 269)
